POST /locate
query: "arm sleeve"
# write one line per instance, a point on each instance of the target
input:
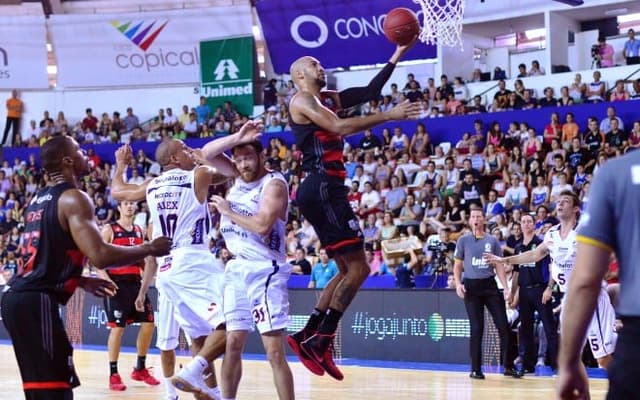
(358, 95)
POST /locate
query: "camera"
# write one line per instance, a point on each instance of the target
(595, 51)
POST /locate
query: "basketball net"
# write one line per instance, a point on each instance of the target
(442, 23)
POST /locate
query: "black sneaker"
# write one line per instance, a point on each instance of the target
(319, 347)
(294, 341)
(476, 375)
(515, 372)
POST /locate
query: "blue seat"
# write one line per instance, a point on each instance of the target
(298, 281)
(379, 282)
(432, 281)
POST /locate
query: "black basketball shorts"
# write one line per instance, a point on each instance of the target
(121, 308)
(322, 199)
(41, 346)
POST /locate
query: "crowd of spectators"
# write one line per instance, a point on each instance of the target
(401, 184)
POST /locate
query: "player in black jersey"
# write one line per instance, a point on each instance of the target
(60, 230)
(322, 196)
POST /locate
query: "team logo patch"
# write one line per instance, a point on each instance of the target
(117, 314)
(354, 225)
(487, 247)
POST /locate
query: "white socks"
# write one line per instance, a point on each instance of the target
(171, 391)
(197, 365)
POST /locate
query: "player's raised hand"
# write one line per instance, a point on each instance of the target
(406, 110)
(160, 246)
(250, 131)
(124, 155)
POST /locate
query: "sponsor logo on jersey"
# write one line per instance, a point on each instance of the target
(478, 262)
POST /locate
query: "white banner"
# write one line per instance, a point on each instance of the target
(23, 53)
(151, 48)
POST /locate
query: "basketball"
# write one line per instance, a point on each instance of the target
(401, 25)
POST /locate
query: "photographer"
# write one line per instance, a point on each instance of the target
(602, 54)
(405, 274)
(439, 252)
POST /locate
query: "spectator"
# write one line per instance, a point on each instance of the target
(89, 123)
(632, 49)
(374, 261)
(596, 90)
(577, 155)
(413, 93)
(528, 101)
(476, 107)
(605, 125)
(522, 71)
(46, 119)
(301, 265)
(539, 194)
(619, 93)
(616, 138)
(470, 193)
(370, 142)
(606, 53)
(445, 87)
(395, 94)
(501, 97)
(577, 89)
(536, 70)
(493, 207)
(548, 100)
(476, 75)
(270, 94)
(399, 142)
(170, 121)
(565, 99)
(323, 271)
(516, 196)
(131, 121)
(411, 78)
(388, 230)
(569, 130)
(203, 112)
(370, 200)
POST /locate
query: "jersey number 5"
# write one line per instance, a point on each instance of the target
(168, 224)
(561, 279)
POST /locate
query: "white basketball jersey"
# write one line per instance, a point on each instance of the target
(176, 212)
(563, 255)
(244, 198)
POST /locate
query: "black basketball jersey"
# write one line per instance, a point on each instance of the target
(51, 260)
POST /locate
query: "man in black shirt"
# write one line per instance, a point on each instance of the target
(529, 282)
(616, 137)
(270, 93)
(370, 141)
(60, 231)
(300, 265)
(577, 155)
(548, 100)
(502, 95)
(470, 193)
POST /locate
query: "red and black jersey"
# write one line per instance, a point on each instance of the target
(123, 237)
(51, 260)
(321, 149)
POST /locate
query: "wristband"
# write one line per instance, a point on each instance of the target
(550, 286)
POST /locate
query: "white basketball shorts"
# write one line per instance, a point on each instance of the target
(601, 334)
(194, 286)
(168, 329)
(255, 293)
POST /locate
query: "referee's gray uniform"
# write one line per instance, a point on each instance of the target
(612, 221)
(482, 291)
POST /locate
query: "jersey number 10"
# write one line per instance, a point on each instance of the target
(168, 224)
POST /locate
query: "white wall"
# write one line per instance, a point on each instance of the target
(459, 62)
(558, 27)
(498, 57)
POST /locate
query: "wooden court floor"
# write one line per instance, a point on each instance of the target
(361, 383)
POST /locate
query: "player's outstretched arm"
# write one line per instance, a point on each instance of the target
(353, 96)
(120, 190)
(249, 132)
(530, 256)
(75, 213)
(308, 107)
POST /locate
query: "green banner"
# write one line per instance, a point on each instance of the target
(226, 73)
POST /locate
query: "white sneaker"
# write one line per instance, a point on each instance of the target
(171, 397)
(190, 383)
(209, 394)
(540, 362)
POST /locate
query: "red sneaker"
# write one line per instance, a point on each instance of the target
(294, 341)
(319, 347)
(145, 376)
(115, 383)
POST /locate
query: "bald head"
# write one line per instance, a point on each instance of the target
(307, 70)
(53, 151)
(166, 149)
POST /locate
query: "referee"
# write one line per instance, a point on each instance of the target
(479, 290)
(530, 284)
(611, 224)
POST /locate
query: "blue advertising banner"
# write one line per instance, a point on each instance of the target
(338, 33)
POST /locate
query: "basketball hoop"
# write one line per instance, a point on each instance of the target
(442, 22)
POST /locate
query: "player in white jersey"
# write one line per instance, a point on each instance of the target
(171, 155)
(560, 242)
(253, 223)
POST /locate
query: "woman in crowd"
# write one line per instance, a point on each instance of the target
(389, 230)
